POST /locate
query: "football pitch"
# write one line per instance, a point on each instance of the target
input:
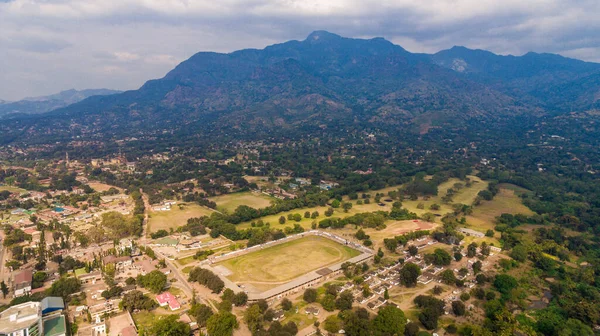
(278, 264)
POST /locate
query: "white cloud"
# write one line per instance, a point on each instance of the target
(122, 43)
(125, 56)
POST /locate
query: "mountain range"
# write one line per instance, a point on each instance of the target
(326, 81)
(42, 104)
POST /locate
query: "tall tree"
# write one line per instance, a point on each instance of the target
(222, 324)
(409, 274)
(389, 321)
(169, 326)
(4, 289)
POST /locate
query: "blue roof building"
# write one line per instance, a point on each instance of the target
(51, 304)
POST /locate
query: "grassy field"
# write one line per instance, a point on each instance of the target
(186, 260)
(468, 195)
(281, 263)
(396, 228)
(145, 320)
(175, 217)
(100, 187)
(506, 201)
(12, 189)
(464, 195)
(230, 202)
(305, 222)
(263, 181)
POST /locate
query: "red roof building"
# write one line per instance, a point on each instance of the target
(167, 298)
(22, 282)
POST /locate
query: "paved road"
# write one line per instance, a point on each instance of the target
(3, 255)
(181, 278)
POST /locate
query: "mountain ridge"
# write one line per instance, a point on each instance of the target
(327, 80)
(43, 104)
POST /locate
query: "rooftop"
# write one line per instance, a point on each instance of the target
(19, 317)
(24, 276)
(169, 298)
(166, 241)
(51, 303)
(55, 326)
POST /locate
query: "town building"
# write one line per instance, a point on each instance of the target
(22, 319)
(470, 232)
(35, 319)
(169, 299)
(22, 283)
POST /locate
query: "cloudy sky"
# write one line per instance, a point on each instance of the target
(51, 45)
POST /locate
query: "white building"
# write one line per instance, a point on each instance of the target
(22, 320)
(22, 283)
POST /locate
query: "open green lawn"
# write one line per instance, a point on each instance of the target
(464, 195)
(305, 222)
(186, 260)
(467, 195)
(144, 319)
(99, 187)
(506, 201)
(230, 202)
(281, 263)
(12, 189)
(175, 217)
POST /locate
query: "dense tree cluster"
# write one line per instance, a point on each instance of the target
(207, 278)
(431, 310)
(64, 287)
(154, 281)
(137, 300)
(120, 226)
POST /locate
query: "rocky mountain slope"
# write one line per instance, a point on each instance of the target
(330, 81)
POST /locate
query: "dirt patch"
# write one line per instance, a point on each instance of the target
(401, 227)
(223, 270)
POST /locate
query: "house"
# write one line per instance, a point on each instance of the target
(348, 285)
(17, 211)
(22, 283)
(470, 232)
(495, 249)
(98, 327)
(118, 261)
(278, 315)
(303, 181)
(161, 208)
(379, 302)
(367, 299)
(110, 198)
(424, 279)
(86, 278)
(169, 299)
(437, 270)
(312, 310)
(107, 307)
(327, 185)
(125, 244)
(52, 304)
(24, 222)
